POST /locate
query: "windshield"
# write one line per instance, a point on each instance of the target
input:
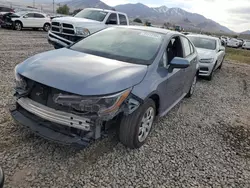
(205, 43)
(97, 15)
(123, 44)
(234, 40)
(21, 13)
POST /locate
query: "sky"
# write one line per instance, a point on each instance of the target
(234, 14)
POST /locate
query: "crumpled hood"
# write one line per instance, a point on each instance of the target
(75, 21)
(205, 53)
(81, 73)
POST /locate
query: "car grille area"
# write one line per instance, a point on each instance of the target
(63, 28)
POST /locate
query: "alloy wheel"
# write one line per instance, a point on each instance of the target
(146, 124)
(18, 26)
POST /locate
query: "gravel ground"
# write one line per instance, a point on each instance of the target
(202, 142)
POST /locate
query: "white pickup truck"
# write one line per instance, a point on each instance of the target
(68, 30)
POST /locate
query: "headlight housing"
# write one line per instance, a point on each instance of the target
(20, 82)
(101, 105)
(209, 60)
(82, 31)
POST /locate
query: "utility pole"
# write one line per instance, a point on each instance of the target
(34, 3)
(53, 6)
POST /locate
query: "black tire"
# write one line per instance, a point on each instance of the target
(46, 27)
(18, 26)
(210, 77)
(192, 87)
(129, 126)
(1, 178)
(221, 63)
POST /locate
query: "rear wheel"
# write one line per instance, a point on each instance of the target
(18, 26)
(46, 27)
(136, 127)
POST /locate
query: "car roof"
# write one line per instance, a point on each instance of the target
(204, 36)
(27, 12)
(152, 29)
(106, 10)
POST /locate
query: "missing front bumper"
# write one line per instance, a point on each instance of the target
(47, 131)
(55, 116)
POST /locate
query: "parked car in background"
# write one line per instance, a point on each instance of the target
(211, 54)
(246, 45)
(233, 43)
(4, 10)
(224, 40)
(241, 41)
(34, 20)
(122, 76)
(68, 30)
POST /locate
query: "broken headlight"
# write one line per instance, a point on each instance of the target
(101, 105)
(20, 82)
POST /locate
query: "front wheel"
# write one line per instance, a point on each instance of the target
(136, 127)
(221, 63)
(18, 26)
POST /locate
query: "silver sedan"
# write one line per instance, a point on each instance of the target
(211, 54)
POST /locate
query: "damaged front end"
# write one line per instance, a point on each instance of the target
(65, 117)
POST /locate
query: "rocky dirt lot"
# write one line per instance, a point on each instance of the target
(202, 142)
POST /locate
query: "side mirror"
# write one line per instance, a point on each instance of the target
(1, 178)
(112, 22)
(178, 63)
(25, 16)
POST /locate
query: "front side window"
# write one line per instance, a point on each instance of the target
(123, 44)
(112, 19)
(123, 19)
(30, 15)
(205, 43)
(186, 46)
(97, 15)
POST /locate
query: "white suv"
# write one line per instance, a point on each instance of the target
(33, 20)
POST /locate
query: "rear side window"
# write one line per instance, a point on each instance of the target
(186, 46)
(30, 15)
(123, 19)
(39, 15)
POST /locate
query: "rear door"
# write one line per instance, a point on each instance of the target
(191, 56)
(40, 20)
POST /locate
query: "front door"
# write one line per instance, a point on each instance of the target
(29, 20)
(172, 86)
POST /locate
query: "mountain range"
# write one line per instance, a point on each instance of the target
(157, 15)
(245, 32)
